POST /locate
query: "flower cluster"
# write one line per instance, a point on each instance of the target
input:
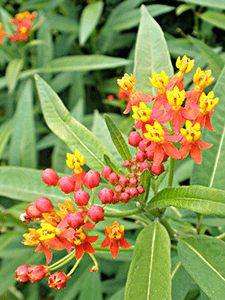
(174, 106)
(68, 226)
(23, 22)
(2, 33)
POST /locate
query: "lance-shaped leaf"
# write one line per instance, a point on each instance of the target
(211, 171)
(204, 259)
(111, 165)
(149, 273)
(151, 54)
(145, 181)
(12, 73)
(215, 62)
(215, 18)
(208, 3)
(117, 139)
(73, 133)
(196, 198)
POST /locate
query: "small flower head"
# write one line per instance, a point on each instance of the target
(58, 280)
(134, 138)
(192, 133)
(81, 197)
(50, 177)
(175, 98)
(96, 213)
(75, 220)
(37, 272)
(2, 33)
(66, 184)
(141, 113)
(202, 79)
(75, 161)
(106, 171)
(207, 103)
(22, 273)
(44, 205)
(127, 82)
(31, 238)
(106, 195)
(159, 81)
(185, 65)
(47, 232)
(33, 212)
(66, 207)
(92, 178)
(155, 133)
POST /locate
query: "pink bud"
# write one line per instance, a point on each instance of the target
(145, 165)
(58, 280)
(50, 177)
(126, 163)
(134, 138)
(140, 189)
(143, 146)
(32, 211)
(118, 189)
(134, 168)
(116, 198)
(140, 156)
(133, 159)
(123, 181)
(75, 220)
(22, 273)
(96, 213)
(131, 175)
(37, 272)
(92, 178)
(127, 189)
(66, 184)
(106, 195)
(81, 197)
(150, 156)
(133, 192)
(106, 171)
(159, 169)
(133, 182)
(44, 205)
(124, 197)
(113, 178)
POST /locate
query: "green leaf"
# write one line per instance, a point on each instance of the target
(62, 23)
(196, 198)
(151, 54)
(145, 181)
(111, 165)
(209, 3)
(5, 18)
(183, 7)
(215, 62)
(89, 19)
(149, 273)
(74, 134)
(12, 73)
(211, 171)
(204, 259)
(117, 138)
(22, 147)
(91, 283)
(7, 237)
(5, 133)
(85, 63)
(215, 18)
(26, 185)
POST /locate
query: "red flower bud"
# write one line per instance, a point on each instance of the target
(140, 156)
(131, 175)
(124, 197)
(37, 272)
(113, 178)
(133, 181)
(106, 171)
(159, 169)
(96, 213)
(134, 138)
(32, 211)
(127, 163)
(118, 189)
(50, 177)
(116, 198)
(92, 178)
(66, 184)
(123, 181)
(140, 189)
(143, 146)
(133, 192)
(145, 165)
(75, 220)
(58, 280)
(150, 156)
(134, 168)
(106, 195)
(22, 273)
(44, 205)
(81, 197)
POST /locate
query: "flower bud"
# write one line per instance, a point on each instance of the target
(92, 178)
(124, 197)
(143, 146)
(50, 177)
(37, 272)
(123, 181)
(96, 213)
(127, 163)
(118, 189)
(93, 269)
(66, 184)
(134, 168)
(134, 138)
(106, 171)
(22, 273)
(44, 205)
(127, 189)
(81, 197)
(75, 220)
(131, 175)
(140, 189)
(145, 165)
(133, 181)
(106, 195)
(133, 192)
(150, 156)
(116, 198)
(113, 178)
(157, 170)
(32, 211)
(140, 156)
(58, 280)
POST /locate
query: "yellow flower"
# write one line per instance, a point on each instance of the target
(207, 103)
(192, 133)
(127, 83)
(185, 64)
(75, 161)
(155, 133)
(159, 81)
(141, 113)
(175, 98)
(202, 79)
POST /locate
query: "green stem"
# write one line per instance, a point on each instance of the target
(121, 249)
(199, 224)
(74, 267)
(173, 247)
(65, 261)
(94, 260)
(169, 229)
(221, 236)
(93, 197)
(71, 198)
(122, 213)
(171, 172)
(62, 260)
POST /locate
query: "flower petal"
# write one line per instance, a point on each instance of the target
(203, 144)
(196, 153)
(171, 150)
(124, 243)
(114, 249)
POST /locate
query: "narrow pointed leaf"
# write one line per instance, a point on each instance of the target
(215, 18)
(12, 73)
(111, 165)
(89, 19)
(117, 139)
(211, 171)
(73, 133)
(215, 62)
(209, 3)
(204, 259)
(23, 143)
(151, 54)
(196, 198)
(5, 133)
(149, 273)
